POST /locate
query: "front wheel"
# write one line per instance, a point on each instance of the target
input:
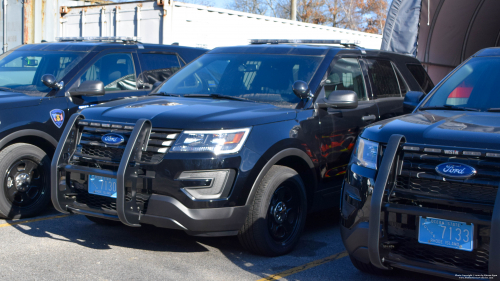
(24, 181)
(277, 215)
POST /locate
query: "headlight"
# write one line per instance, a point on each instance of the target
(365, 153)
(218, 142)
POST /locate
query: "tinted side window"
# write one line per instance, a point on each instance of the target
(402, 83)
(158, 67)
(345, 74)
(384, 78)
(421, 76)
(116, 71)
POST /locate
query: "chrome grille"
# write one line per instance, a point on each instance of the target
(91, 147)
(418, 177)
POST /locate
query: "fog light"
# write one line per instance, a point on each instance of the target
(211, 184)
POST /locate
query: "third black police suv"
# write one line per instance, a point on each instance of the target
(242, 141)
(421, 191)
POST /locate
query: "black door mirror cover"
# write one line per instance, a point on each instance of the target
(341, 99)
(89, 88)
(301, 89)
(50, 81)
(412, 99)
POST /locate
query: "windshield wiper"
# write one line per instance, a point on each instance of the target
(164, 94)
(493, 109)
(5, 89)
(450, 107)
(217, 96)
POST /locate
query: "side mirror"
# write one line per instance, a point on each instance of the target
(301, 89)
(412, 99)
(49, 80)
(156, 84)
(341, 99)
(89, 88)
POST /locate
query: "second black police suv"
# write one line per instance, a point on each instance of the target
(242, 141)
(421, 190)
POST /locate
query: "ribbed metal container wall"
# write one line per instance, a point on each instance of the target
(30, 21)
(164, 22)
(194, 25)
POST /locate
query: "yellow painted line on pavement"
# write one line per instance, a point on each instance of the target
(303, 267)
(33, 220)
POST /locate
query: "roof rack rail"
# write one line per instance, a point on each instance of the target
(343, 42)
(97, 38)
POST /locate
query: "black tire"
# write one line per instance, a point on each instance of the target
(101, 221)
(24, 181)
(269, 216)
(368, 267)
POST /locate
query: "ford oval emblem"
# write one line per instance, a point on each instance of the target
(112, 139)
(455, 170)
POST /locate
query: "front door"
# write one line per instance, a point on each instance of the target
(118, 72)
(340, 127)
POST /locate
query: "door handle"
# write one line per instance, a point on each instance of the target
(369, 118)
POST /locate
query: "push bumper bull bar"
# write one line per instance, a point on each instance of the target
(128, 211)
(388, 169)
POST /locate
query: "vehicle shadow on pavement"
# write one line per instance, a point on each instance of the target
(321, 238)
(79, 230)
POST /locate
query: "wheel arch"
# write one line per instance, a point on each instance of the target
(34, 137)
(293, 158)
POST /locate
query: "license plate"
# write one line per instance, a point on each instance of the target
(446, 233)
(102, 186)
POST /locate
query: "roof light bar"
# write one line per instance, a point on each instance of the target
(97, 38)
(305, 41)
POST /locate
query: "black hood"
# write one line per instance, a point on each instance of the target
(441, 127)
(14, 99)
(189, 113)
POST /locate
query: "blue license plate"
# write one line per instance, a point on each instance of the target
(102, 186)
(446, 233)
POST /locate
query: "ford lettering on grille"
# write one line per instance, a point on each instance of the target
(455, 170)
(112, 139)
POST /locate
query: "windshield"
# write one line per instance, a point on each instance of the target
(254, 77)
(473, 87)
(23, 70)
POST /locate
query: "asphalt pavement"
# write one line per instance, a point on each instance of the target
(55, 247)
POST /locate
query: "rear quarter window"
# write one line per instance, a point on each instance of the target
(421, 76)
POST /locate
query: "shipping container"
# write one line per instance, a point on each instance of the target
(31, 21)
(160, 21)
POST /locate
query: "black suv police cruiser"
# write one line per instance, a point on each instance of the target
(421, 190)
(243, 141)
(41, 85)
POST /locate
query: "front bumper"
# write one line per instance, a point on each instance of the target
(136, 202)
(167, 212)
(382, 232)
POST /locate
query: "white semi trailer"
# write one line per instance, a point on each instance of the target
(168, 22)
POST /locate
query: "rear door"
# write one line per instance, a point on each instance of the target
(389, 87)
(157, 66)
